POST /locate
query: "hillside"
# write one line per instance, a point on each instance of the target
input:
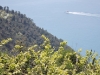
(26, 60)
(22, 30)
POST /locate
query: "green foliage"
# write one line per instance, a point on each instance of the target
(3, 42)
(49, 62)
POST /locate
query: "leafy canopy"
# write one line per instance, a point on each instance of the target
(46, 61)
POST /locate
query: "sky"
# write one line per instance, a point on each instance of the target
(80, 26)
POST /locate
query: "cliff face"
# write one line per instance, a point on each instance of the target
(22, 30)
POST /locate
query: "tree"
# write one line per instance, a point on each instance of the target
(1, 7)
(7, 10)
(4, 8)
(12, 11)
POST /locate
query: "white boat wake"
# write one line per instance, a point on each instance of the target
(83, 13)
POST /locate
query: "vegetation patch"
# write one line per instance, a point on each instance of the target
(47, 61)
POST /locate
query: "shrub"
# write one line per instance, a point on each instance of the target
(48, 61)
